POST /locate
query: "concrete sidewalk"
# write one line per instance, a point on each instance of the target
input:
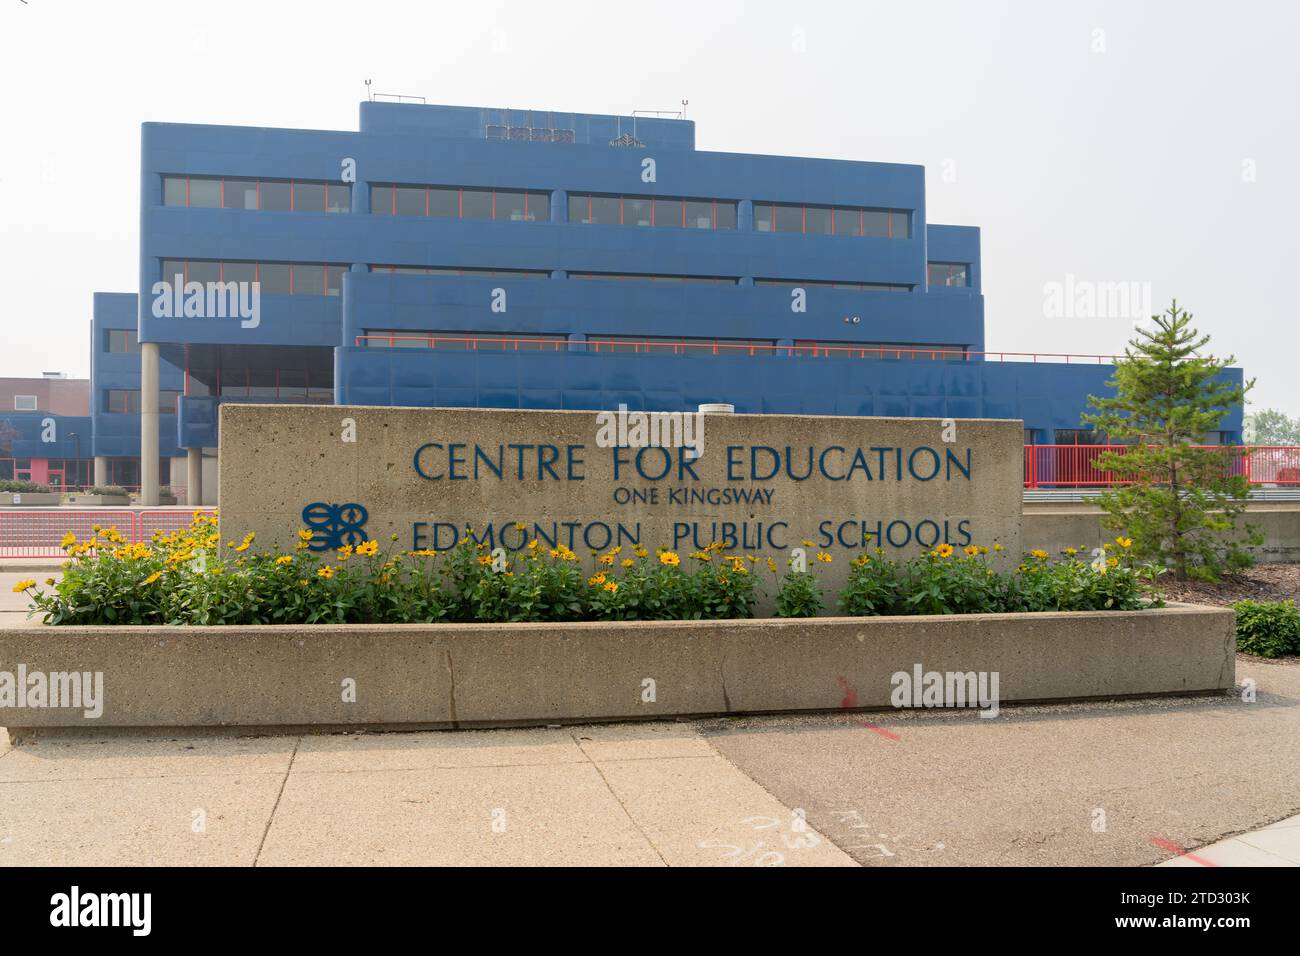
(641, 795)
(1135, 782)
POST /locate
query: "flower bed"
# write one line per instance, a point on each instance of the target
(181, 578)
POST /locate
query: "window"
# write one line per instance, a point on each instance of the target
(453, 202)
(832, 220)
(122, 401)
(661, 212)
(276, 278)
(127, 401)
(880, 350)
(440, 271)
(270, 195)
(464, 341)
(650, 277)
(1077, 436)
(121, 340)
(293, 385)
(834, 284)
(24, 403)
(660, 345)
(951, 274)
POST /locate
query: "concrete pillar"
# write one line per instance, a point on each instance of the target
(101, 470)
(149, 424)
(194, 476)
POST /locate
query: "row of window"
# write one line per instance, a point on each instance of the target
(276, 278)
(833, 220)
(301, 385)
(665, 212)
(519, 205)
(127, 401)
(268, 195)
(435, 271)
(450, 202)
(25, 403)
(819, 284)
(304, 278)
(654, 345)
(647, 277)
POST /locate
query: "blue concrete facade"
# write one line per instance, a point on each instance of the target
(117, 433)
(775, 279)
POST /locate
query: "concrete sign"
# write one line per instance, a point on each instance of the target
(760, 484)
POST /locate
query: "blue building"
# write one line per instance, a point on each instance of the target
(458, 256)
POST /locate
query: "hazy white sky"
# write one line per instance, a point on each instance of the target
(1115, 141)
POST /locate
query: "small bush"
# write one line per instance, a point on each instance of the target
(799, 595)
(1268, 628)
(27, 487)
(107, 490)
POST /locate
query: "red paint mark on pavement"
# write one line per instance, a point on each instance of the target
(888, 735)
(850, 693)
(1176, 849)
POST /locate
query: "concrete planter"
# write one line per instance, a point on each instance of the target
(29, 499)
(483, 675)
(98, 501)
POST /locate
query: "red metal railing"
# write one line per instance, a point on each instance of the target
(1075, 466)
(709, 347)
(38, 533)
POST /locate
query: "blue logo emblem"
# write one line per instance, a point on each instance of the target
(333, 526)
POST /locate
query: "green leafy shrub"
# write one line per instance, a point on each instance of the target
(109, 490)
(23, 486)
(1268, 628)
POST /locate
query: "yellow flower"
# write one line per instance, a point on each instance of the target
(971, 550)
(1071, 551)
(702, 556)
(628, 562)
(345, 551)
(998, 548)
(50, 582)
(771, 565)
(23, 585)
(1124, 542)
(824, 558)
(369, 549)
(153, 577)
(611, 587)
(284, 559)
(640, 552)
(807, 543)
(485, 559)
(1039, 553)
(669, 558)
(248, 540)
(944, 550)
(607, 560)
(1112, 562)
(534, 545)
(326, 572)
(68, 541)
(520, 526)
(596, 579)
(305, 535)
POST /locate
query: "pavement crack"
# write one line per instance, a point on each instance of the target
(276, 806)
